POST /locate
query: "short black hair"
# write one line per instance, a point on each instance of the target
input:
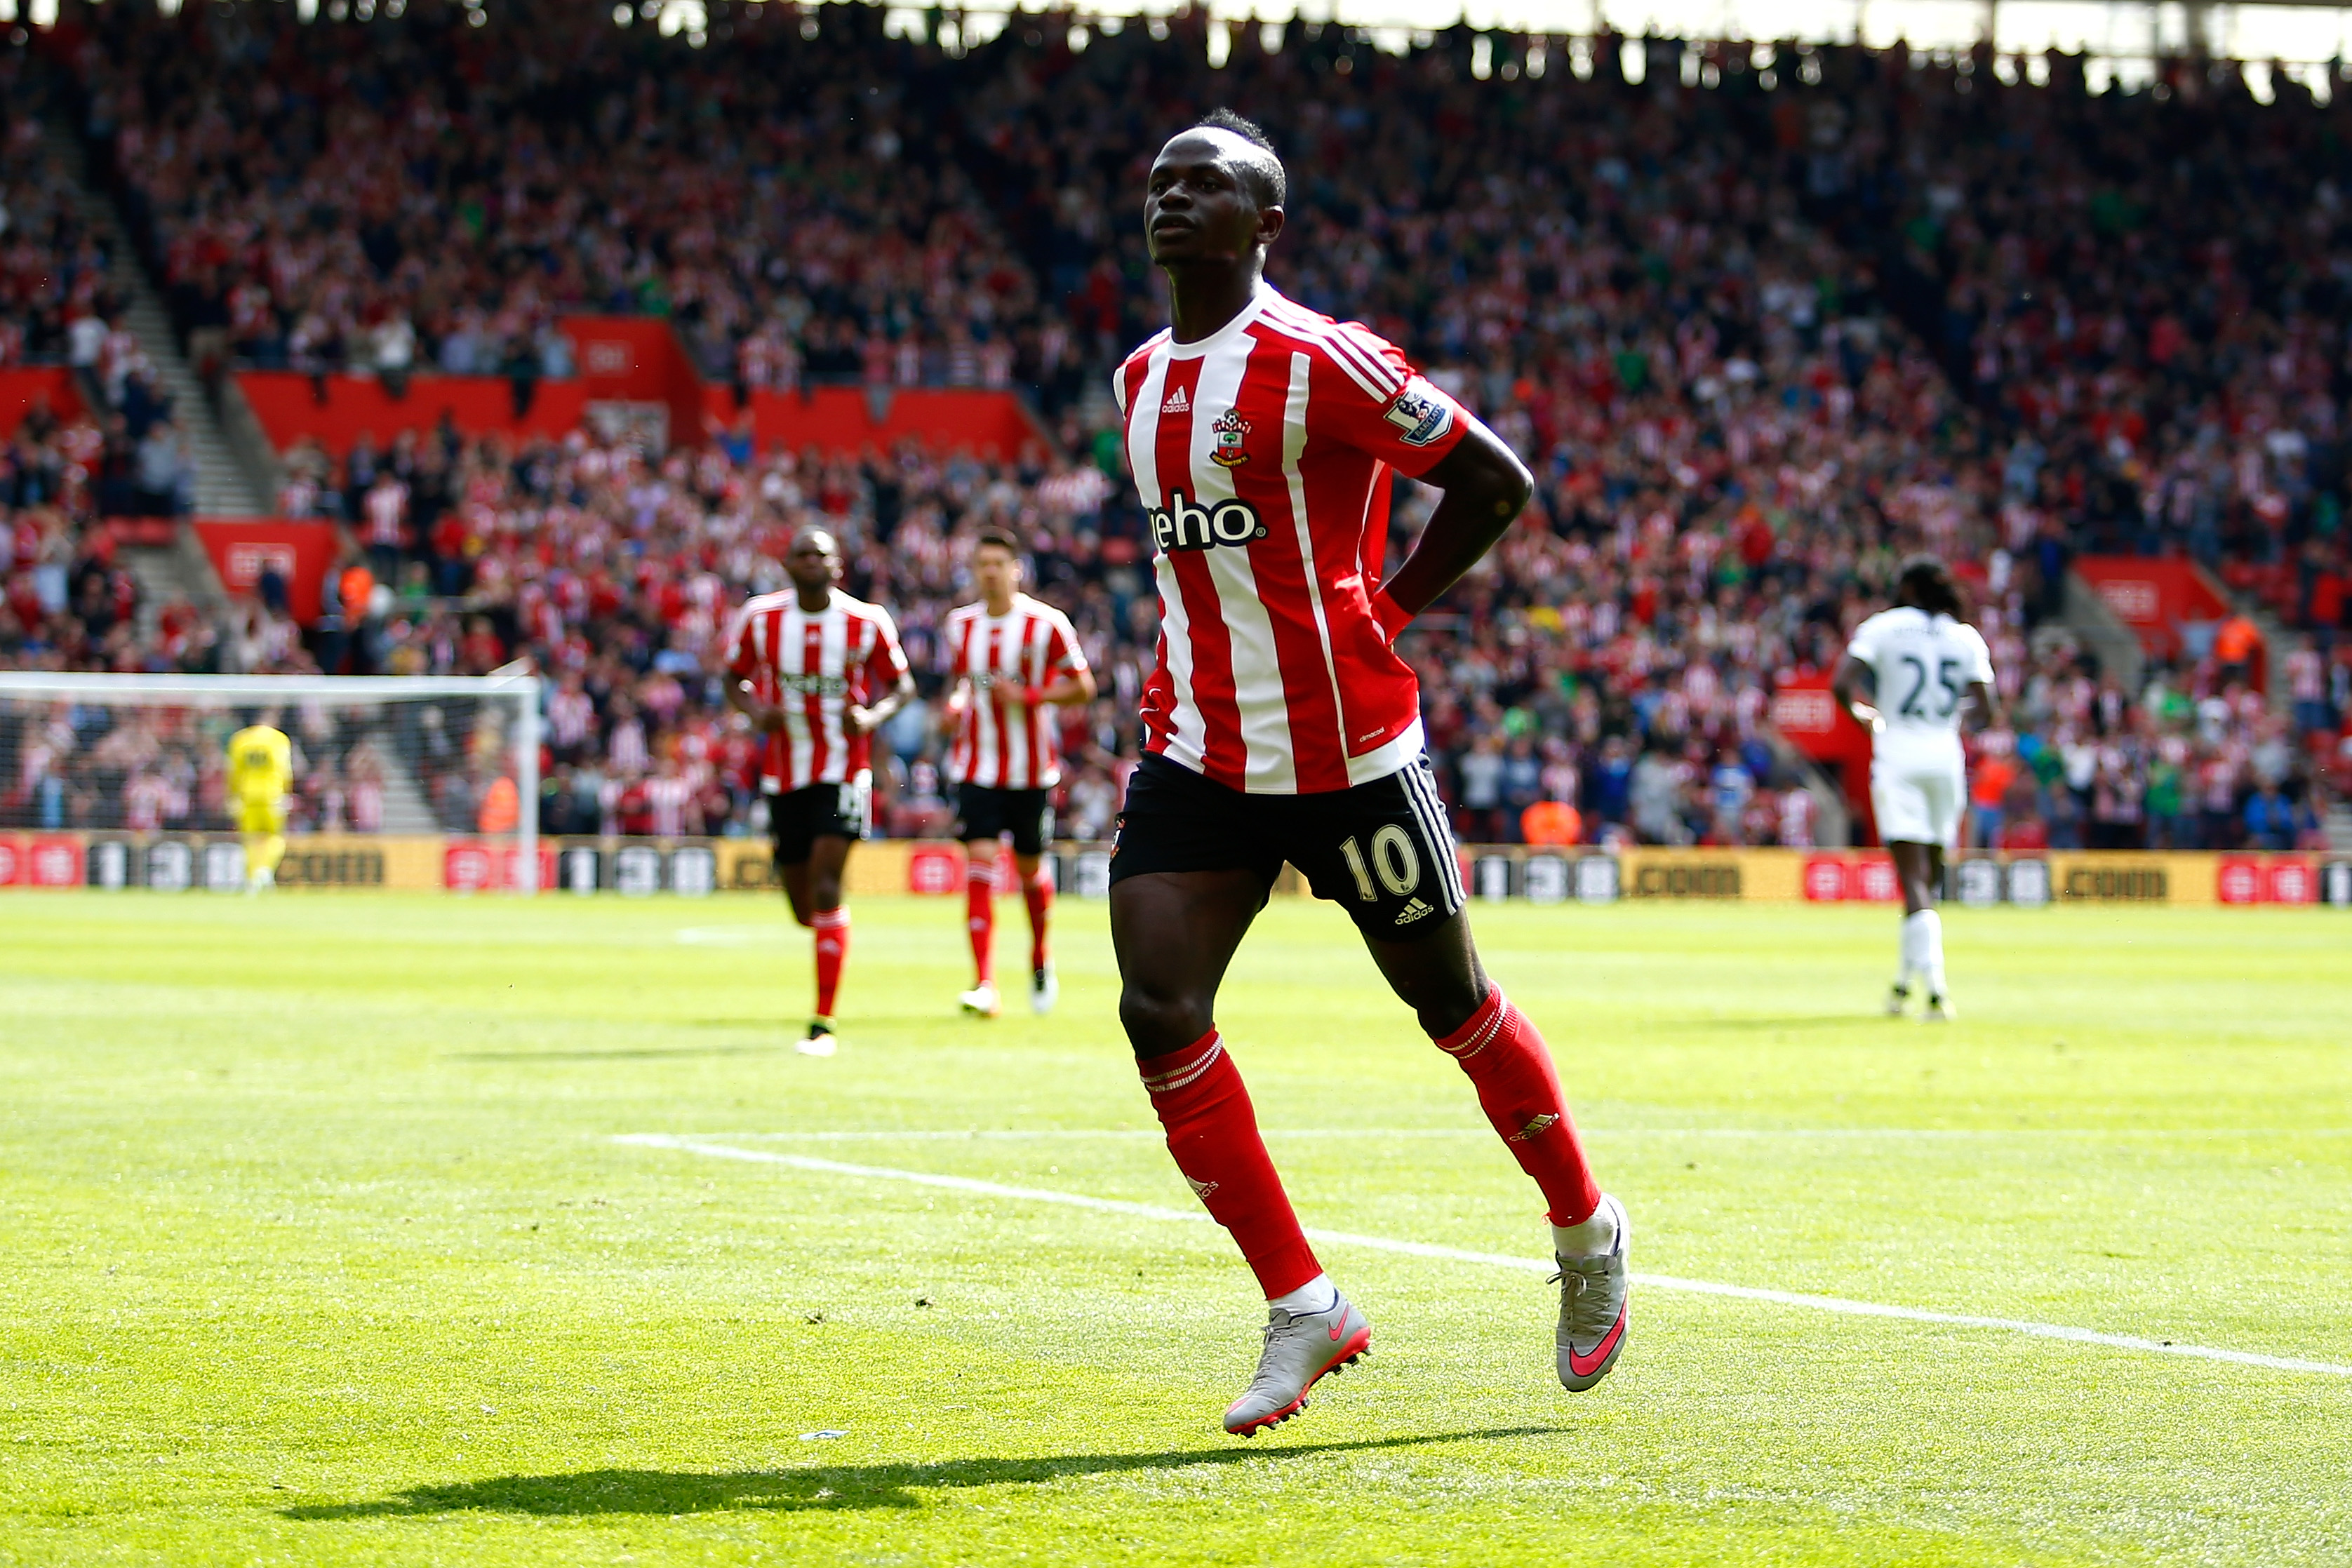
(998, 537)
(1268, 182)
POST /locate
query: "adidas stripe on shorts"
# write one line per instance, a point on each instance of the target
(1383, 851)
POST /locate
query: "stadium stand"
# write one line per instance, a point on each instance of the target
(1759, 338)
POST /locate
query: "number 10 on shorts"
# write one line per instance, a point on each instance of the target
(1393, 858)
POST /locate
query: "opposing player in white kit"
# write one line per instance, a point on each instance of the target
(1012, 658)
(1910, 676)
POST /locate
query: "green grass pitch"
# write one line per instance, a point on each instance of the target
(317, 1245)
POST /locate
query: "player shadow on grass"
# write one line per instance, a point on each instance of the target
(1830, 1020)
(793, 1489)
(629, 1053)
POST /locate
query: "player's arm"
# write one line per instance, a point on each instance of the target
(873, 715)
(1070, 686)
(1982, 709)
(1485, 488)
(1067, 678)
(1855, 686)
(743, 695)
(887, 663)
(766, 717)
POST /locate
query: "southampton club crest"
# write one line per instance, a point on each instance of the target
(1230, 428)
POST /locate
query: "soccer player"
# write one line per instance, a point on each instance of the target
(818, 672)
(1012, 658)
(1909, 676)
(1281, 726)
(260, 775)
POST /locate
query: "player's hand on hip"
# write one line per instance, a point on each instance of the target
(1393, 617)
(857, 720)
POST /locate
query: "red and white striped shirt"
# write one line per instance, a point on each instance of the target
(1262, 455)
(667, 798)
(814, 667)
(1001, 741)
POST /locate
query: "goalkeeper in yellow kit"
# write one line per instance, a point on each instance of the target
(260, 775)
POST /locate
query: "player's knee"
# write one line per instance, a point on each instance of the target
(1448, 1013)
(1158, 1023)
(1442, 1004)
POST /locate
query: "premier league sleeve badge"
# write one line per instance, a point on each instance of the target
(1419, 411)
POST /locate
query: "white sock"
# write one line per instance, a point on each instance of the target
(1588, 1237)
(1923, 948)
(1317, 1295)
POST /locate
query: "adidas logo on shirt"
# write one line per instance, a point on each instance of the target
(1414, 909)
(1177, 402)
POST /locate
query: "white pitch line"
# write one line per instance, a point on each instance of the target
(1491, 1259)
(1898, 1135)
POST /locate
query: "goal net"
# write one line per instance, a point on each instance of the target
(119, 781)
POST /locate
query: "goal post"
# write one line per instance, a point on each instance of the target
(386, 755)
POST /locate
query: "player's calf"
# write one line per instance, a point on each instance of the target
(1504, 1057)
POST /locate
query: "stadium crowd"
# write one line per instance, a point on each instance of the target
(1760, 339)
(2146, 288)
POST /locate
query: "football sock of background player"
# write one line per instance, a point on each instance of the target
(832, 926)
(1505, 1060)
(1923, 951)
(980, 917)
(1212, 1133)
(262, 853)
(1039, 893)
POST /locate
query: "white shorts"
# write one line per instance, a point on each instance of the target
(1919, 802)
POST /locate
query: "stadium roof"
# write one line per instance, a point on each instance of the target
(2128, 37)
(2123, 39)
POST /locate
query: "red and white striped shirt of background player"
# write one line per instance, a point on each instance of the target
(667, 795)
(1002, 742)
(570, 718)
(814, 667)
(1262, 455)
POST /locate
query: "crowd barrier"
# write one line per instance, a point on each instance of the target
(701, 867)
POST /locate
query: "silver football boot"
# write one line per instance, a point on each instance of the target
(1300, 1347)
(1592, 1308)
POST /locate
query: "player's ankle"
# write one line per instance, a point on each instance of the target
(1317, 1295)
(1588, 1238)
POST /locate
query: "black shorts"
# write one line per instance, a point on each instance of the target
(988, 813)
(1383, 850)
(798, 818)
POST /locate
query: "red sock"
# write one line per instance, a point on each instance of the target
(1039, 891)
(832, 927)
(980, 910)
(1506, 1061)
(1212, 1133)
